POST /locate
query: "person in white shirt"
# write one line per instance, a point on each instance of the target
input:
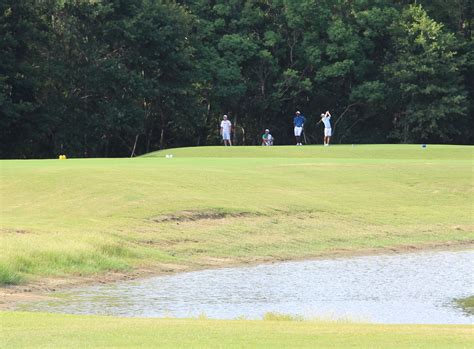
(326, 119)
(267, 138)
(226, 127)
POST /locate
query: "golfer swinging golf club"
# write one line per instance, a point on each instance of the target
(326, 119)
(298, 122)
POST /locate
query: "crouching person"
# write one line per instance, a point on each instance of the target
(267, 138)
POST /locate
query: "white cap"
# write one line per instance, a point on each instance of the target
(267, 130)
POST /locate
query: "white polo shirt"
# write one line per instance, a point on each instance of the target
(226, 126)
(327, 121)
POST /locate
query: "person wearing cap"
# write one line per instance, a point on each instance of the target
(267, 138)
(226, 127)
(298, 123)
(326, 119)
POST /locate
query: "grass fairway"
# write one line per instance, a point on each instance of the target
(34, 330)
(217, 205)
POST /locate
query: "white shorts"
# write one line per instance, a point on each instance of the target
(226, 136)
(298, 131)
(327, 132)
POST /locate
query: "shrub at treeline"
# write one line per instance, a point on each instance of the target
(116, 77)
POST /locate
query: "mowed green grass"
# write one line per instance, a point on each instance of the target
(88, 216)
(35, 330)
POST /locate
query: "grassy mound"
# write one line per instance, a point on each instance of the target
(357, 151)
(217, 205)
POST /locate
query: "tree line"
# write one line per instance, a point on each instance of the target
(99, 78)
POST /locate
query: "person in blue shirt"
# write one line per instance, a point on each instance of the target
(298, 122)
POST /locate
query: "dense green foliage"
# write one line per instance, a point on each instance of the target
(123, 77)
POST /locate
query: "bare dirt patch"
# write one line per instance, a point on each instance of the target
(15, 231)
(191, 216)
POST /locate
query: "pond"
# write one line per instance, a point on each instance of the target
(403, 288)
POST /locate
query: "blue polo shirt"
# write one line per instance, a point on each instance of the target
(298, 121)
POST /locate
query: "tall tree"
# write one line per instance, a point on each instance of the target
(427, 94)
(124, 77)
(22, 119)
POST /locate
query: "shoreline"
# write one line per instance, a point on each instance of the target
(45, 288)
